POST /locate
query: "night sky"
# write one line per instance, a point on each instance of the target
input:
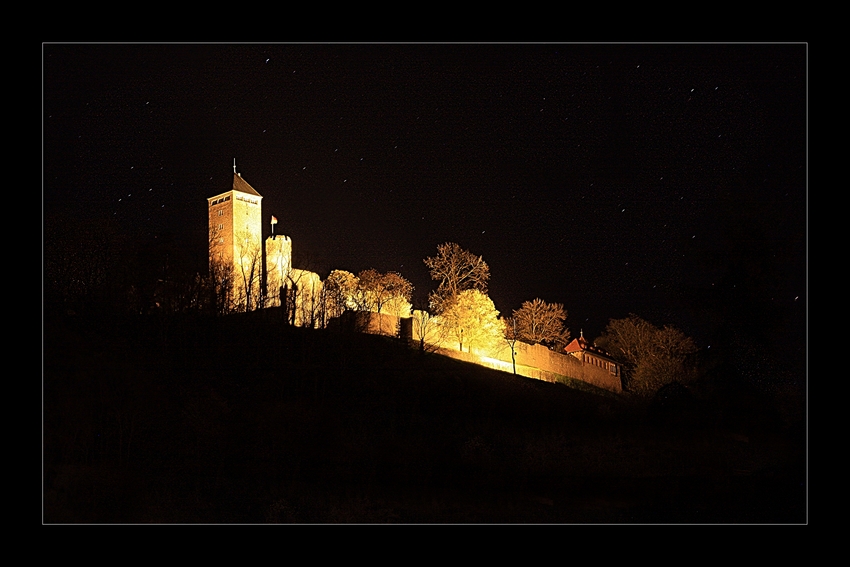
(667, 180)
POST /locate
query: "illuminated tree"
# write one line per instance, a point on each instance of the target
(457, 270)
(398, 292)
(339, 289)
(538, 322)
(473, 320)
(652, 356)
(376, 291)
(423, 324)
(304, 298)
(363, 298)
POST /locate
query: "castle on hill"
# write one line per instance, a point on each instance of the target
(250, 274)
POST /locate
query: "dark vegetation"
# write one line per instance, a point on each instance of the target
(242, 419)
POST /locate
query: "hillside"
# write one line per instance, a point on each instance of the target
(244, 420)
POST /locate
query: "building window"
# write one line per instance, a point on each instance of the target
(221, 227)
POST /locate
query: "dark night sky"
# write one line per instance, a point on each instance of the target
(668, 180)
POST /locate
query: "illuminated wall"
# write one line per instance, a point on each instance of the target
(532, 361)
(278, 267)
(306, 289)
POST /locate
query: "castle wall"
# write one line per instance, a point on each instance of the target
(306, 289)
(278, 267)
(369, 322)
(221, 229)
(532, 361)
(548, 361)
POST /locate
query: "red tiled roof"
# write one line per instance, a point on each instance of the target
(581, 344)
(577, 345)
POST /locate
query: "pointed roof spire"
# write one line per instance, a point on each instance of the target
(234, 165)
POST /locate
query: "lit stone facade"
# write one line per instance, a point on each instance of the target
(305, 288)
(278, 267)
(235, 224)
(298, 291)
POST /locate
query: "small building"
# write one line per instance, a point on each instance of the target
(593, 355)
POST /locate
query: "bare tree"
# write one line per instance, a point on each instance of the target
(652, 356)
(511, 337)
(457, 270)
(399, 291)
(221, 278)
(339, 289)
(423, 323)
(376, 290)
(538, 322)
(249, 265)
(303, 298)
(362, 298)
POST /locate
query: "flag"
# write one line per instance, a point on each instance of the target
(274, 219)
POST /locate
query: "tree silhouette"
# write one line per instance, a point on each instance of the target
(511, 337)
(82, 262)
(651, 356)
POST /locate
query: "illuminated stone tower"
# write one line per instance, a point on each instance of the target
(235, 239)
(278, 268)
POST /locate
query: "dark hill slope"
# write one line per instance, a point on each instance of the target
(242, 419)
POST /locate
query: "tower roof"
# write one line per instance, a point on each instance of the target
(243, 186)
